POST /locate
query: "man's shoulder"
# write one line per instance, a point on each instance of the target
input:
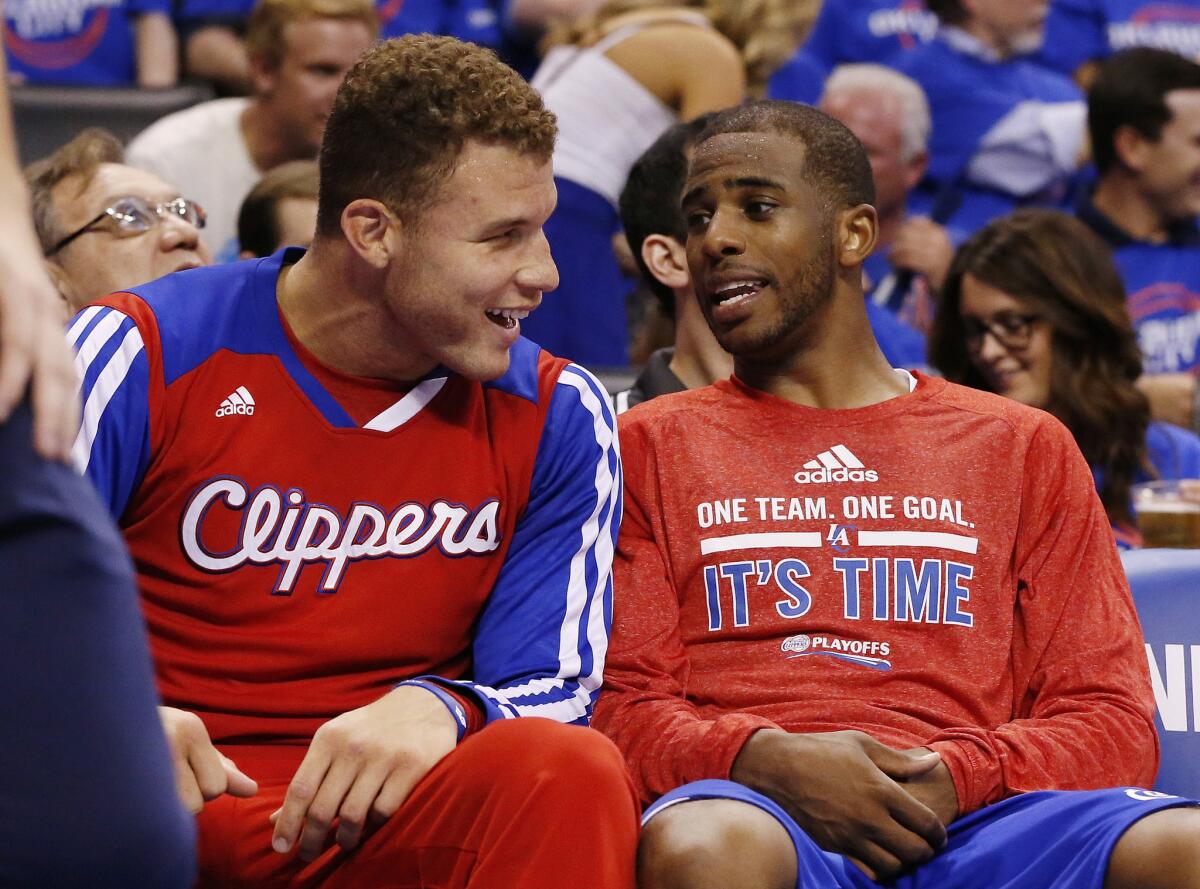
(190, 130)
(675, 409)
(198, 312)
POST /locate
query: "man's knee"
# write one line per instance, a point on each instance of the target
(715, 843)
(1160, 850)
(567, 761)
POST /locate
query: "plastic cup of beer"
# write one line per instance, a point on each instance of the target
(1168, 513)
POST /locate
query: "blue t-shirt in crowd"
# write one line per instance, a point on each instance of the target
(75, 42)
(868, 31)
(1162, 283)
(800, 79)
(1005, 131)
(1080, 30)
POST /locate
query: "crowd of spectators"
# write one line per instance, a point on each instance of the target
(969, 110)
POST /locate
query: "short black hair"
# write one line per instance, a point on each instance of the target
(950, 12)
(834, 160)
(650, 199)
(1130, 90)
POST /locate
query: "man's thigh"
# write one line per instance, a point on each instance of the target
(1057, 839)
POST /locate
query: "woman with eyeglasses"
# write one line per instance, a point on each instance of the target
(1034, 309)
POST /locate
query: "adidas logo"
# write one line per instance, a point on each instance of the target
(240, 401)
(835, 465)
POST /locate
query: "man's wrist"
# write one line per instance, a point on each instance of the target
(457, 712)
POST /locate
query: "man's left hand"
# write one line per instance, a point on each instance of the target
(936, 790)
(362, 765)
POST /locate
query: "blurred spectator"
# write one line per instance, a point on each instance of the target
(214, 48)
(657, 236)
(1079, 31)
(1033, 309)
(299, 51)
(880, 31)
(82, 43)
(1006, 131)
(104, 226)
(888, 114)
(281, 211)
(1144, 116)
(617, 80)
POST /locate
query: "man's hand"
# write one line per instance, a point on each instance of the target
(935, 789)
(841, 787)
(1172, 397)
(202, 772)
(362, 765)
(922, 246)
(32, 346)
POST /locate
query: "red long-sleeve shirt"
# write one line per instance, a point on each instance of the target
(935, 569)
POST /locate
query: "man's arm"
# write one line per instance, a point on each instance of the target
(539, 648)
(1082, 700)
(841, 787)
(157, 50)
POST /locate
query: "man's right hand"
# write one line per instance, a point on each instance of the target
(841, 788)
(202, 772)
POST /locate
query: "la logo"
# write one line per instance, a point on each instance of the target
(839, 537)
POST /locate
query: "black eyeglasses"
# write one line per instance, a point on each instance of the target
(132, 215)
(1011, 330)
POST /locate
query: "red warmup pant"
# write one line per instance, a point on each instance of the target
(523, 804)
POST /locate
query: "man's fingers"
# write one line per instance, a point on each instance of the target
(206, 765)
(913, 815)
(186, 787)
(352, 817)
(300, 794)
(325, 805)
(393, 794)
(237, 782)
(879, 860)
(55, 400)
(17, 333)
(902, 765)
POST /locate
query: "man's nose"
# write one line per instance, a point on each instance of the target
(723, 237)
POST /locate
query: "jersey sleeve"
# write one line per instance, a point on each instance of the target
(643, 708)
(112, 447)
(542, 639)
(1083, 706)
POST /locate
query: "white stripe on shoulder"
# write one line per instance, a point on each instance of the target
(106, 385)
(95, 341)
(80, 324)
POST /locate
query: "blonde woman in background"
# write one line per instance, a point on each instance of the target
(617, 80)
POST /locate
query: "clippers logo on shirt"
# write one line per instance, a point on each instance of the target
(287, 530)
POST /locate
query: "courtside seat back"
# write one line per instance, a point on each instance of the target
(1166, 591)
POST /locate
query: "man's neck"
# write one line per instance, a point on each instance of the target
(328, 299)
(698, 359)
(1118, 197)
(266, 142)
(833, 363)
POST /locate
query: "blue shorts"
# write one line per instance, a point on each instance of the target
(1060, 839)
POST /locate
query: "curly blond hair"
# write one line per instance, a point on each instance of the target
(404, 113)
(765, 32)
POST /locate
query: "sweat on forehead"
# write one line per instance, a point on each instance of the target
(834, 160)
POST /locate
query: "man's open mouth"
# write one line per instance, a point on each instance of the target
(507, 318)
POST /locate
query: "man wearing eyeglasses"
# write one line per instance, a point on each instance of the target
(105, 226)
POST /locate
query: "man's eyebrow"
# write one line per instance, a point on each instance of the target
(739, 182)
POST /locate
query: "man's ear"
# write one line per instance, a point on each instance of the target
(263, 75)
(62, 283)
(1131, 147)
(666, 259)
(857, 231)
(914, 170)
(373, 231)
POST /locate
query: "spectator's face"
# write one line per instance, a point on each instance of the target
(875, 118)
(475, 264)
(105, 259)
(1169, 169)
(759, 242)
(1011, 346)
(296, 219)
(317, 54)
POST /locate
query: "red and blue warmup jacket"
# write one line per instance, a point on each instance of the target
(1080, 30)
(295, 564)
